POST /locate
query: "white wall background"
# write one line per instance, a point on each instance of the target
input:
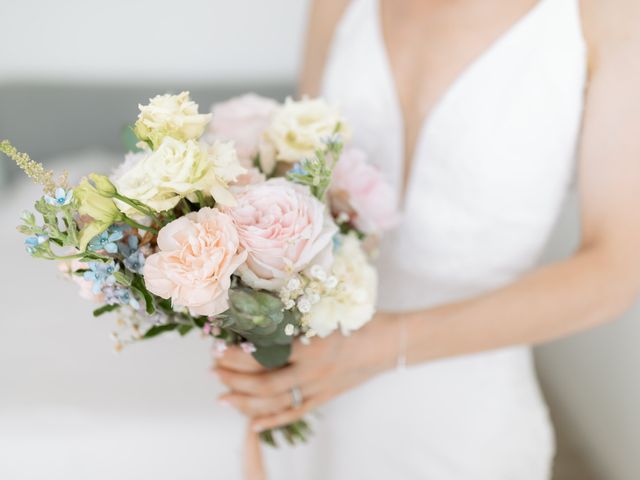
(128, 41)
(591, 379)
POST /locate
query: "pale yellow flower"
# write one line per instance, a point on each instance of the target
(170, 116)
(299, 128)
(177, 169)
(100, 208)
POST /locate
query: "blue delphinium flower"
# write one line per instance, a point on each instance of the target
(117, 295)
(133, 257)
(107, 240)
(32, 243)
(101, 274)
(60, 198)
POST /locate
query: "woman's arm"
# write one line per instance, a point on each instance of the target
(602, 279)
(323, 16)
(593, 286)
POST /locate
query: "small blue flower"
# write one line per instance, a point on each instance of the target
(135, 262)
(133, 257)
(298, 170)
(101, 274)
(337, 242)
(107, 240)
(32, 243)
(60, 198)
(130, 246)
(122, 296)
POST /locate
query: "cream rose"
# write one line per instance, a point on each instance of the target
(283, 229)
(177, 169)
(299, 128)
(350, 302)
(170, 116)
(197, 255)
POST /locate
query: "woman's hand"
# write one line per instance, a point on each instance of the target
(321, 370)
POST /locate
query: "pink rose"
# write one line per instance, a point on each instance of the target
(242, 120)
(250, 177)
(283, 229)
(85, 286)
(197, 255)
(361, 191)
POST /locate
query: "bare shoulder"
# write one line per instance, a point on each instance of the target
(322, 20)
(611, 28)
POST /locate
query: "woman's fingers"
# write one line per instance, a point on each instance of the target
(264, 406)
(290, 415)
(265, 384)
(234, 358)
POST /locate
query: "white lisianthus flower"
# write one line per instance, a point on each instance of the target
(170, 116)
(351, 303)
(299, 128)
(176, 169)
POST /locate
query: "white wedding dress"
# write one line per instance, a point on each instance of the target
(491, 168)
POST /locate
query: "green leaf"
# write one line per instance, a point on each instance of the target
(165, 304)
(122, 278)
(184, 329)
(274, 356)
(105, 309)
(159, 329)
(138, 285)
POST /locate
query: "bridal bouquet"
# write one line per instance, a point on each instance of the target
(247, 224)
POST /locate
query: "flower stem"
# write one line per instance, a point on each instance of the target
(139, 226)
(142, 209)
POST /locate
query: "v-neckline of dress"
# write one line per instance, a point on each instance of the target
(444, 97)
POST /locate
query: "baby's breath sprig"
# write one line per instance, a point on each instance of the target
(34, 170)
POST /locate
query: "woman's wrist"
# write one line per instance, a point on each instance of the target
(383, 342)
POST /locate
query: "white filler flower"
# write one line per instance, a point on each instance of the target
(351, 303)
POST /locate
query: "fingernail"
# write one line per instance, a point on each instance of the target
(258, 428)
(224, 402)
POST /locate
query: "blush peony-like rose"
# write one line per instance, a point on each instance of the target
(197, 255)
(360, 190)
(242, 120)
(283, 229)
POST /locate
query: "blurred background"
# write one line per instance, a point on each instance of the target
(71, 76)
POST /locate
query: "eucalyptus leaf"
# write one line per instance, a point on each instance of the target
(272, 357)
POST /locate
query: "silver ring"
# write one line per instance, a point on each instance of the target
(296, 397)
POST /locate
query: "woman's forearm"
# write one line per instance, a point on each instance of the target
(583, 291)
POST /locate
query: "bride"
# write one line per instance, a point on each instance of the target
(481, 112)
